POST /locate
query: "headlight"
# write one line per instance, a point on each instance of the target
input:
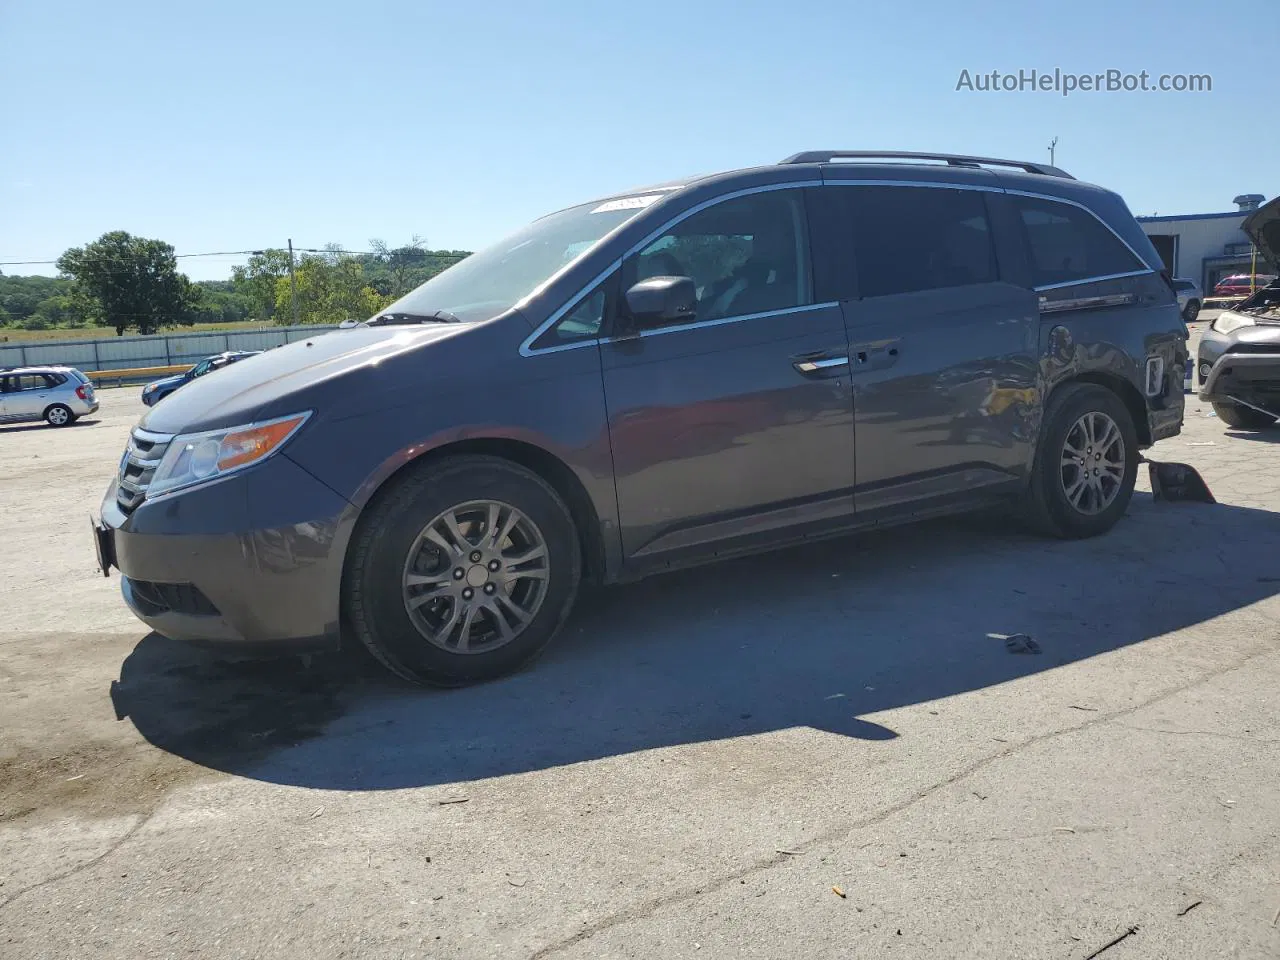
(196, 457)
(1227, 322)
(149, 388)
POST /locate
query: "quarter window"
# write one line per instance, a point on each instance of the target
(1069, 245)
(908, 239)
(745, 256)
(582, 322)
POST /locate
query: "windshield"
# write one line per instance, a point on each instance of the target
(487, 283)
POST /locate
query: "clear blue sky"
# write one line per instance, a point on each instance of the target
(234, 125)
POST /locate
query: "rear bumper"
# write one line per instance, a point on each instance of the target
(241, 562)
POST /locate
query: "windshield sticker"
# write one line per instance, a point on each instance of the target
(627, 203)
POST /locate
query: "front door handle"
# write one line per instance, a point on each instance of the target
(818, 364)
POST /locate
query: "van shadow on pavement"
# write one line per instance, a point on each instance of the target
(743, 647)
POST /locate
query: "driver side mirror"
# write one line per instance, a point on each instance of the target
(662, 300)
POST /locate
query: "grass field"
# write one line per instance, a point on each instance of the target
(8, 335)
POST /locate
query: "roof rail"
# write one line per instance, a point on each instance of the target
(951, 159)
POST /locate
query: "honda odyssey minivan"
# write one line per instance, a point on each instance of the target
(659, 378)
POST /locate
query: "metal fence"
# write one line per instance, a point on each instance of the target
(164, 350)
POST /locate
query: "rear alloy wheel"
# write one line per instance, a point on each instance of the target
(1093, 463)
(1086, 464)
(463, 571)
(1240, 417)
(59, 416)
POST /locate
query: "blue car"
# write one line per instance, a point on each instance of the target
(157, 390)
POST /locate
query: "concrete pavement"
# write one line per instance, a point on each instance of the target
(691, 769)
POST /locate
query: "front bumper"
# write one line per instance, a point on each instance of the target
(1228, 370)
(253, 560)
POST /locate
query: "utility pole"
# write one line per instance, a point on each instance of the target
(293, 285)
(1052, 143)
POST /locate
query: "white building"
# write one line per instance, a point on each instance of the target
(1205, 247)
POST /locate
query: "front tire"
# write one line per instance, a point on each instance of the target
(1086, 464)
(59, 415)
(463, 571)
(1242, 418)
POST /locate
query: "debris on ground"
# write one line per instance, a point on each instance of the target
(446, 800)
(839, 893)
(1177, 481)
(1187, 909)
(1103, 949)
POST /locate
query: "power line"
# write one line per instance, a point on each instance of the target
(32, 263)
(231, 253)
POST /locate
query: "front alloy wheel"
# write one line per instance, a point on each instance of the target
(462, 570)
(475, 577)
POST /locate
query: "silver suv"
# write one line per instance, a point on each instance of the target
(57, 395)
(1189, 298)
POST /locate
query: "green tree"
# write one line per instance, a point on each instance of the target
(133, 281)
(397, 271)
(217, 303)
(332, 287)
(65, 310)
(20, 297)
(256, 280)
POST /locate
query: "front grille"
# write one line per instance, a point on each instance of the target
(1253, 348)
(156, 598)
(138, 467)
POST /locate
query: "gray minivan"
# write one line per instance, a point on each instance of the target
(654, 379)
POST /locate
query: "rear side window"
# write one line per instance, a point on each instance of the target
(907, 239)
(1068, 244)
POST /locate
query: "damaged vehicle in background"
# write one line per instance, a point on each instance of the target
(1238, 361)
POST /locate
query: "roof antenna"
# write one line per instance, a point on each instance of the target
(1052, 143)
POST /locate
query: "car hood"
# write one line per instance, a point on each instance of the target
(1263, 228)
(283, 380)
(166, 382)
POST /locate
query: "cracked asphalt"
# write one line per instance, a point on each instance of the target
(694, 770)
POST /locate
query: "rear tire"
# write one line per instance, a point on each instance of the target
(59, 415)
(1191, 311)
(1242, 418)
(426, 608)
(1086, 464)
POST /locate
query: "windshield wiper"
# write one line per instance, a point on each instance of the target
(440, 316)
